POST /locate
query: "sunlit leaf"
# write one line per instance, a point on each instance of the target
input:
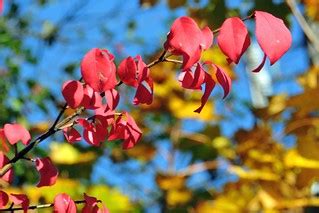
(168, 182)
(64, 153)
(176, 197)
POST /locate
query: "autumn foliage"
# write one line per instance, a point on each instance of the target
(97, 93)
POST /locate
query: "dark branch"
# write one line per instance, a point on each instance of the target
(41, 206)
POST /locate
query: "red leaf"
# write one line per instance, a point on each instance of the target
(96, 101)
(118, 130)
(4, 198)
(71, 135)
(103, 210)
(207, 38)
(8, 176)
(91, 99)
(20, 199)
(192, 80)
(101, 123)
(199, 77)
(83, 122)
(261, 65)
(64, 204)
(72, 92)
(15, 133)
(128, 72)
(3, 142)
(94, 133)
(186, 78)
(272, 35)
(133, 70)
(91, 137)
(90, 204)
(233, 38)
(209, 86)
(223, 79)
(48, 172)
(195, 80)
(112, 98)
(186, 39)
(135, 73)
(144, 92)
(87, 97)
(125, 128)
(98, 70)
(106, 114)
(134, 133)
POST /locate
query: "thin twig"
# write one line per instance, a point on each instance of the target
(199, 167)
(60, 115)
(173, 61)
(41, 206)
(160, 59)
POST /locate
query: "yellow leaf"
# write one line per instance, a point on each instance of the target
(224, 148)
(312, 9)
(260, 156)
(277, 104)
(167, 182)
(305, 102)
(254, 174)
(39, 128)
(69, 186)
(176, 197)
(184, 109)
(308, 146)
(267, 200)
(294, 159)
(168, 83)
(309, 80)
(114, 200)
(65, 153)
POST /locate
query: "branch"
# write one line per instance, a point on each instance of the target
(312, 37)
(41, 206)
(159, 60)
(198, 167)
(57, 126)
(59, 116)
(69, 121)
(53, 129)
(173, 61)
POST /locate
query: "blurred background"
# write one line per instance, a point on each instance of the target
(255, 151)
